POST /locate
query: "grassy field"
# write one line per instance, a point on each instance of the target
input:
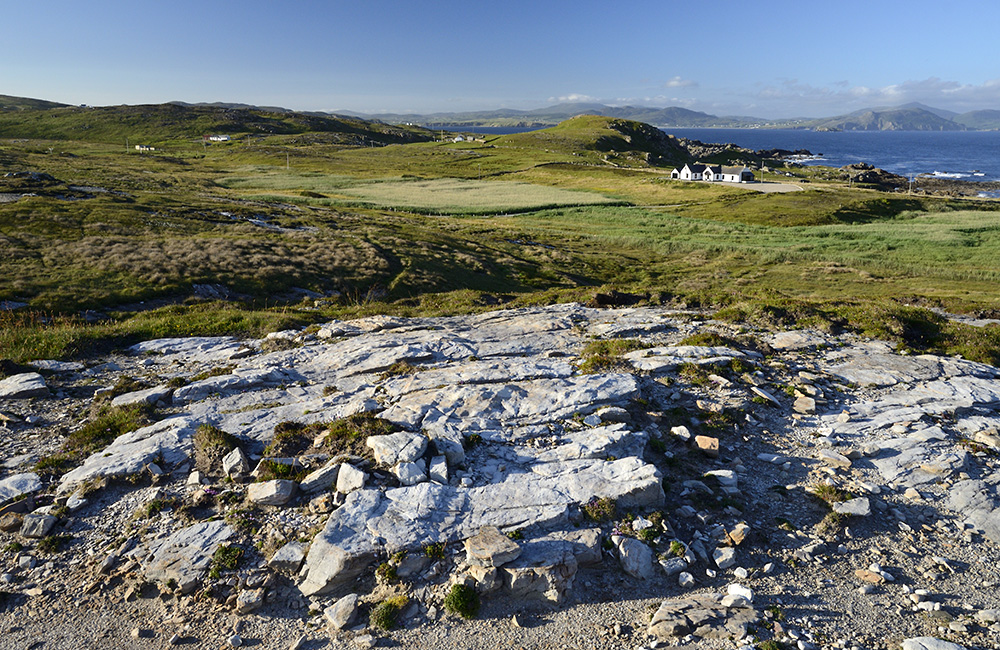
(439, 227)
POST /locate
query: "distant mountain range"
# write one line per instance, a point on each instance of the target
(908, 117)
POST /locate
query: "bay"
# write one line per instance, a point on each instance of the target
(966, 155)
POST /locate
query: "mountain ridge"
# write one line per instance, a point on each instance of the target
(913, 116)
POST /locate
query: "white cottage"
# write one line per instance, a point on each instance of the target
(713, 173)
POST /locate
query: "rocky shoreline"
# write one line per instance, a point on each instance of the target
(606, 478)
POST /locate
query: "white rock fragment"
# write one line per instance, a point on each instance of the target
(350, 478)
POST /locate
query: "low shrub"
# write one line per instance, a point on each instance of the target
(462, 600)
(383, 616)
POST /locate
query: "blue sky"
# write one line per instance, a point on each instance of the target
(766, 59)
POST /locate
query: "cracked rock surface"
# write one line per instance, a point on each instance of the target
(820, 491)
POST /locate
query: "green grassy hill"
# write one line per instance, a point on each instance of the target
(9, 103)
(166, 122)
(609, 137)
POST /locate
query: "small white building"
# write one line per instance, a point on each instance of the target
(144, 147)
(712, 173)
(219, 138)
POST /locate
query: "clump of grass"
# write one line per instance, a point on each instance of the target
(123, 386)
(55, 464)
(217, 371)
(606, 355)
(600, 509)
(830, 525)
(211, 444)
(348, 435)
(435, 551)
(384, 615)
(399, 368)
(53, 543)
(269, 470)
(244, 520)
(13, 547)
(515, 534)
(471, 441)
(225, 558)
(110, 422)
(462, 600)
(709, 339)
(154, 507)
(386, 572)
(648, 535)
(830, 494)
(677, 549)
(291, 439)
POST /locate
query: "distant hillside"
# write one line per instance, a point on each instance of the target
(988, 120)
(552, 115)
(898, 119)
(9, 103)
(165, 122)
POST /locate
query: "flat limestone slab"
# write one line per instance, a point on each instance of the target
(23, 386)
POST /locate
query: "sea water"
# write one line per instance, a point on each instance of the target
(965, 155)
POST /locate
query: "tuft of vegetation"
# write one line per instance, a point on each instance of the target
(606, 355)
(292, 438)
(225, 558)
(109, 423)
(348, 435)
(211, 444)
(462, 600)
(830, 494)
(386, 572)
(600, 509)
(269, 470)
(13, 547)
(710, 339)
(398, 369)
(53, 543)
(435, 551)
(154, 507)
(245, 520)
(384, 615)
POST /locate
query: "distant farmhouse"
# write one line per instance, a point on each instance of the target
(713, 173)
(219, 138)
(144, 147)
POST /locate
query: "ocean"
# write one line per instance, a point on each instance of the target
(966, 155)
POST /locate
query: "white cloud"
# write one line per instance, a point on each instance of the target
(678, 82)
(573, 97)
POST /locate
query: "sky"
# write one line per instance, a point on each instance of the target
(772, 59)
